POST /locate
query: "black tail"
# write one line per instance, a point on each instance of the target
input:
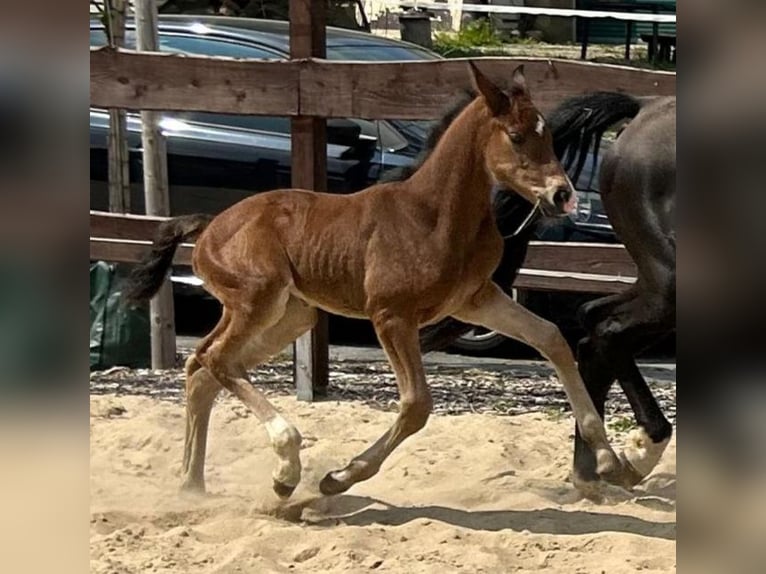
(147, 276)
(581, 121)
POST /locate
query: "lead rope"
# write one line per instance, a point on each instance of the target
(525, 222)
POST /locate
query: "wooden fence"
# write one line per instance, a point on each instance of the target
(553, 266)
(308, 88)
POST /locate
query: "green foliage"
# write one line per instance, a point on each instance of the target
(555, 413)
(621, 424)
(471, 35)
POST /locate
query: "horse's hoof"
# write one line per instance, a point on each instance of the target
(329, 485)
(630, 477)
(608, 463)
(192, 487)
(283, 491)
(592, 490)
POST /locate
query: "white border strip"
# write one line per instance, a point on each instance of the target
(573, 275)
(627, 16)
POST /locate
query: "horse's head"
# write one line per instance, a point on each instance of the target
(519, 149)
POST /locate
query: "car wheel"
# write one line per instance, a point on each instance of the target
(479, 339)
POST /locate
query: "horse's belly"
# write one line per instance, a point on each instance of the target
(340, 293)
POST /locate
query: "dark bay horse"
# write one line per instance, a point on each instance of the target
(638, 190)
(404, 254)
(637, 182)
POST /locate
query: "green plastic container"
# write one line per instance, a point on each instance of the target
(119, 336)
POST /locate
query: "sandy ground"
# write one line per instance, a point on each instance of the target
(470, 493)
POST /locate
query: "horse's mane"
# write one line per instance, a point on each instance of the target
(436, 133)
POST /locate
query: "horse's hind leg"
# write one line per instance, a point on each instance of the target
(253, 334)
(494, 310)
(625, 332)
(648, 442)
(201, 391)
(608, 353)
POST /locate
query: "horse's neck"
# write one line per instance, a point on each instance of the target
(454, 180)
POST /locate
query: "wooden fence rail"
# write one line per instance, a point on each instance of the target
(549, 266)
(313, 87)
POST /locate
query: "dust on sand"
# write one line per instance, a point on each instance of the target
(470, 493)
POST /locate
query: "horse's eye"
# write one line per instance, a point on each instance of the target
(516, 137)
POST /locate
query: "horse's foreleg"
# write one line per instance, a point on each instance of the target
(399, 339)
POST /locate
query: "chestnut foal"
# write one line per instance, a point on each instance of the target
(403, 254)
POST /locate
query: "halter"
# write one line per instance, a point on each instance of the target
(526, 221)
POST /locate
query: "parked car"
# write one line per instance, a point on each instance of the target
(215, 160)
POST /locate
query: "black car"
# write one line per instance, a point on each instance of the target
(215, 160)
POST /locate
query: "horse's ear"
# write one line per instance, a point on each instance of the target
(496, 99)
(519, 82)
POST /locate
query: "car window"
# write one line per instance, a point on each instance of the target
(389, 138)
(274, 124)
(588, 177)
(213, 47)
(187, 44)
(376, 53)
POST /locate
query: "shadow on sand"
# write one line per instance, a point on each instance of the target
(356, 511)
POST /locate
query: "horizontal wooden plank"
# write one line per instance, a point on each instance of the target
(123, 225)
(407, 90)
(534, 280)
(153, 81)
(594, 258)
(131, 251)
(424, 90)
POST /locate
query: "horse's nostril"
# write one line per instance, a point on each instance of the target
(562, 195)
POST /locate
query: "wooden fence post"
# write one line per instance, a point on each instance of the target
(155, 169)
(309, 171)
(117, 143)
